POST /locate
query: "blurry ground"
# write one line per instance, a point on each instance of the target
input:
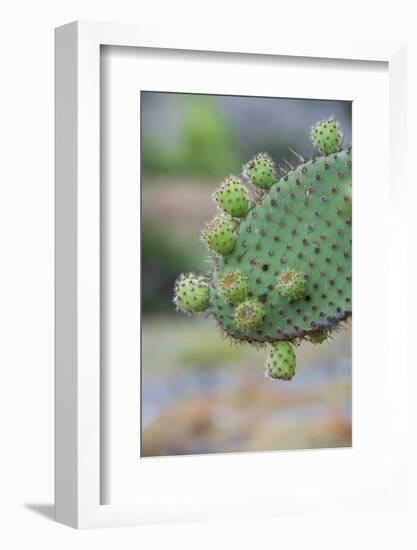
(202, 395)
(199, 394)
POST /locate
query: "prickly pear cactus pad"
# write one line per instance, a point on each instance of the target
(281, 250)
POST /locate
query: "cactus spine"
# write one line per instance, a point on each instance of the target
(291, 284)
(283, 264)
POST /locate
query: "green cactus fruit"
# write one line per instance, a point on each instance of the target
(281, 361)
(191, 293)
(219, 234)
(248, 314)
(326, 136)
(291, 284)
(232, 197)
(318, 337)
(234, 287)
(261, 171)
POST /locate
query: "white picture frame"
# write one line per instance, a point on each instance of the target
(79, 408)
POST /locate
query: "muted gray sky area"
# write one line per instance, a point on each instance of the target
(256, 123)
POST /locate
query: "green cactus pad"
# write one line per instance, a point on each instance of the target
(219, 235)
(232, 198)
(326, 136)
(281, 362)
(234, 287)
(291, 284)
(248, 314)
(298, 224)
(260, 170)
(347, 205)
(191, 294)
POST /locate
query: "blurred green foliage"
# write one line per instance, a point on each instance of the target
(206, 146)
(209, 351)
(161, 262)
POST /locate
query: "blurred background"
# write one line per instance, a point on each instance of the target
(200, 394)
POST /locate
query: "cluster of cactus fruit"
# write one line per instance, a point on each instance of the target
(281, 250)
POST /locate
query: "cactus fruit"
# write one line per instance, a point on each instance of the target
(248, 314)
(219, 234)
(281, 362)
(232, 198)
(291, 284)
(234, 287)
(326, 136)
(282, 270)
(191, 294)
(261, 171)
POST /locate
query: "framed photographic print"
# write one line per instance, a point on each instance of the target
(223, 205)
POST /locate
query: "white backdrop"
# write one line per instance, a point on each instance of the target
(26, 272)
(190, 479)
